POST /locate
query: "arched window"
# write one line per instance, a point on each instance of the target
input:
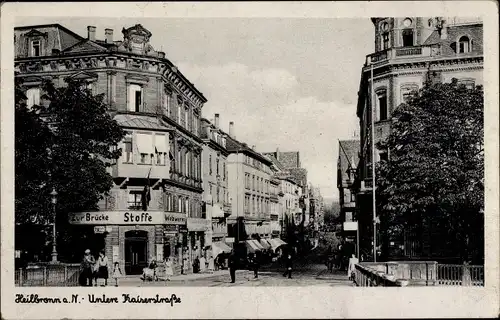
(407, 37)
(464, 44)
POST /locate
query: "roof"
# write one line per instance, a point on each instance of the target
(233, 145)
(145, 122)
(275, 161)
(348, 156)
(454, 32)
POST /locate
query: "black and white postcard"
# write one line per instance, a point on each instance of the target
(249, 160)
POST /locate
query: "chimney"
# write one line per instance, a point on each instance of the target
(253, 147)
(216, 120)
(278, 154)
(91, 33)
(161, 55)
(108, 33)
(231, 129)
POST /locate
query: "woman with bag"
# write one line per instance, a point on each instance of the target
(102, 267)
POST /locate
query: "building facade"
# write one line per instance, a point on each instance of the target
(215, 180)
(160, 111)
(409, 51)
(346, 170)
(249, 187)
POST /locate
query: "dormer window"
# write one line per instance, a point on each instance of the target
(464, 45)
(36, 48)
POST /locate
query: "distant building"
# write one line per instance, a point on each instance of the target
(408, 52)
(346, 170)
(215, 181)
(249, 186)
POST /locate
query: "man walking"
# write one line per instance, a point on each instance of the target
(288, 266)
(232, 266)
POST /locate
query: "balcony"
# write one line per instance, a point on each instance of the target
(132, 170)
(403, 53)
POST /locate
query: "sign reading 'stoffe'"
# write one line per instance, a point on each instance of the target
(126, 217)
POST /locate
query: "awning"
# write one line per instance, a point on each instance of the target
(161, 143)
(265, 244)
(253, 245)
(276, 243)
(144, 143)
(219, 247)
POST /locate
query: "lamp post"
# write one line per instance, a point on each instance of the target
(54, 236)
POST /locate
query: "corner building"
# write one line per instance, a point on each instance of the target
(408, 52)
(160, 111)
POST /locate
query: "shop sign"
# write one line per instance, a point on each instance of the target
(183, 228)
(117, 217)
(99, 229)
(229, 240)
(175, 218)
(197, 224)
(170, 228)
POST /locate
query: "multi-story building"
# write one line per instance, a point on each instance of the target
(290, 202)
(249, 186)
(290, 161)
(409, 51)
(346, 170)
(160, 111)
(215, 181)
(276, 197)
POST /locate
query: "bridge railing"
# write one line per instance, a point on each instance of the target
(48, 275)
(460, 275)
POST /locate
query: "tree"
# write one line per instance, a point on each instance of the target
(433, 180)
(75, 142)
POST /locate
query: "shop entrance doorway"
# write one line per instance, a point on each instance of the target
(136, 250)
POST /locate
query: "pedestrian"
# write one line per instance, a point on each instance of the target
(169, 270)
(117, 273)
(102, 267)
(203, 264)
(211, 264)
(255, 266)
(87, 268)
(353, 261)
(232, 267)
(196, 265)
(288, 266)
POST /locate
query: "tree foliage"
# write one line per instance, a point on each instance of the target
(435, 172)
(66, 143)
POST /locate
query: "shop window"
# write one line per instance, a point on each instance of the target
(407, 38)
(36, 48)
(160, 149)
(127, 149)
(33, 97)
(464, 45)
(145, 147)
(135, 98)
(134, 200)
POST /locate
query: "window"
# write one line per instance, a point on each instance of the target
(353, 197)
(407, 37)
(169, 204)
(127, 149)
(210, 188)
(160, 149)
(179, 109)
(468, 83)
(185, 118)
(218, 194)
(217, 167)
(166, 104)
(33, 97)
(464, 45)
(187, 165)
(134, 200)
(210, 164)
(36, 48)
(253, 182)
(385, 41)
(382, 106)
(145, 147)
(186, 206)
(224, 171)
(382, 155)
(407, 91)
(135, 98)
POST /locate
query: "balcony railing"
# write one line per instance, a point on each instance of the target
(403, 53)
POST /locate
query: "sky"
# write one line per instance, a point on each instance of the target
(289, 83)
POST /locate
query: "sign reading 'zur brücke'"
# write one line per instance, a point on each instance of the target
(126, 217)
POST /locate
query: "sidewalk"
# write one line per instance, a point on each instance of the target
(182, 277)
(335, 275)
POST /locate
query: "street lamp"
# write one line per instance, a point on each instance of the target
(53, 194)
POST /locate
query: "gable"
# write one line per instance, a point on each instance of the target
(36, 33)
(85, 46)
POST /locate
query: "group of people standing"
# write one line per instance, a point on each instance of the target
(253, 263)
(92, 269)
